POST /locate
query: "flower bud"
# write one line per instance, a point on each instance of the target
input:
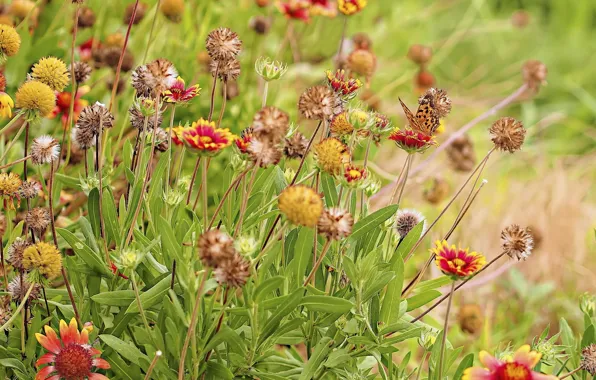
(270, 70)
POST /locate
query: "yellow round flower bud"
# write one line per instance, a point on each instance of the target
(301, 205)
(332, 155)
(173, 9)
(362, 62)
(51, 71)
(10, 41)
(44, 259)
(36, 97)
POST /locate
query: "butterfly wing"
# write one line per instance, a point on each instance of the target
(427, 117)
(412, 120)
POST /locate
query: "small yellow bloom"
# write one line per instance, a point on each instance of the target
(332, 155)
(350, 7)
(10, 183)
(6, 105)
(44, 259)
(51, 71)
(10, 41)
(301, 205)
(340, 125)
(36, 97)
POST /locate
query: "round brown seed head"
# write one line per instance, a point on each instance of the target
(264, 151)
(18, 289)
(173, 9)
(295, 146)
(270, 123)
(461, 154)
(588, 359)
(15, 253)
(508, 134)
(260, 24)
(226, 69)
(335, 223)
(233, 271)
(82, 71)
(534, 73)
(29, 189)
(111, 57)
(38, 219)
(86, 17)
(139, 15)
(470, 318)
(420, 54)
(517, 242)
(319, 102)
(215, 247)
(222, 44)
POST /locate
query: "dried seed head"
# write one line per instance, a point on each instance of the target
(18, 288)
(82, 71)
(295, 146)
(45, 149)
(508, 134)
(111, 57)
(154, 78)
(226, 69)
(423, 80)
(517, 242)
(83, 138)
(588, 360)
(437, 191)
(319, 103)
(260, 24)
(420, 54)
(461, 154)
(470, 318)
(10, 183)
(233, 271)
(137, 119)
(301, 205)
(92, 118)
(270, 123)
(173, 9)
(520, 18)
(406, 220)
(86, 17)
(139, 15)
(38, 219)
(15, 253)
(331, 155)
(335, 223)
(215, 247)
(438, 100)
(534, 73)
(161, 140)
(264, 151)
(362, 41)
(362, 62)
(29, 189)
(223, 44)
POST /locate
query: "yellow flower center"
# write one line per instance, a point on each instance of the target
(514, 371)
(458, 263)
(355, 174)
(206, 139)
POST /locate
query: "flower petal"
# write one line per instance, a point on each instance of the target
(45, 359)
(525, 356)
(476, 373)
(488, 360)
(100, 363)
(97, 376)
(44, 372)
(541, 376)
(51, 344)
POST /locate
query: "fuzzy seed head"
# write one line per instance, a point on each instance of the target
(233, 271)
(36, 97)
(406, 220)
(420, 54)
(227, 70)
(44, 259)
(93, 118)
(18, 288)
(270, 123)
(45, 149)
(51, 71)
(82, 71)
(172, 9)
(29, 189)
(10, 41)
(137, 118)
(319, 103)
(38, 219)
(362, 62)
(534, 73)
(260, 24)
(461, 154)
(86, 17)
(215, 247)
(301, 205)
(335, 223)
(139, 15)
(15, 253)
(295, 146)
(264, 151)
(517, 242)
(223, 44)
(588, 360)
(508, 134)
(470, 318)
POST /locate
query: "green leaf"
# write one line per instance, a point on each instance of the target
(229, 336)
(408, 242)
(377, 284)
(218, 371)
(93, 207)
(110, 217)
(466, 362)
(283, 311)
(152, 296)
(337, 357)
(409, 334)
(433, 284)
(327, 304)
(422, 299)
(316, 359)
(13, 363)
(588, 337)
(120, 298)
(372, 221)
(85, 253)
(267, 287)
(329, 189)
(127, 350)
(302, 254)
(392, 299)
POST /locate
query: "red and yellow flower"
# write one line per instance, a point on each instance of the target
(295, 9)
(63, 105)
(457, 262)
(204, 138)
(325, 8)
(177, 134)
(243, 141)
(178, 93)
(350, 7)
(6, 105)
(354, 173)
(70, 356)
(518, 367)
(412, 141)
(86, 49)
(342, 84)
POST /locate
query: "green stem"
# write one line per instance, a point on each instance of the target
(265, 91)
(445, 326)
(170, 149)
(18, 310)
(140, 304)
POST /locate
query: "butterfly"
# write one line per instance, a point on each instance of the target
(426, 119)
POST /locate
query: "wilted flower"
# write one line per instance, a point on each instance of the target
(94, 117)
(508, 134)
(362, 62)
(15, 253)
(6, 105)
(270, 70)
(51, 71)
(139, 15)
(178, 93)
(295, 145)
(519, 366)
(43, 261)
(264, 151)
(38, 219)
(215, 247)
(82, 71)
(331, 155)
(420, 54)
(227, 70)
(204, 138)
(437, 191)
(10, 183)
(411, 141)
(172, 9)
(29, 189)
(517, 242)
(36, 98)
(343, 85)
(18, 288)
(270, 123)
(350, 7)
(260, 24)
(461, 154)
(301, 205)
(406, 220)
(44, 149)
(223, 44)
(87, 17)
(10, 42)
(70, 356)
(233, 271)
(143, 111)
(423, 80)
(319, 102)
(335, 223)
(470, 318)
(340, 125)
(588, 360)
(534, 73)
(162, 143)
(154, 78)
(457, 262)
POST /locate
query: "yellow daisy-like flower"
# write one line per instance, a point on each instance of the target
(340, 125)
(301, 205)
(205, 138)
(10, 183)
(43, 259)
(36, 98)
(457, 262)
(350, 7)
(51, 71)
(10, 41)
(6, 105)
(332, 155)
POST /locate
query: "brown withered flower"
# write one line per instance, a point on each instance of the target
(437, 191)
(319, 102)
(420, 54)
(94, 117)
(461, 154)
(172, 9)
(162, 142)
(29, 189)
(227, 70)
(588, 359)
(508, 134)
(223, 44)
(152, 79)
(470, 318)
(82, 71)
(295, 145)
(534, 73)
(15, 253)
(111, 57)
(38, 219)
(264, 151)
(335, 223)
(137, 119)
(17, 288)
(260, 24)
(86, 17)
(270, 122)
(362, 62)
(233, 271)
(517, 242)
(215, 247)
(44, 149)
(139, 15)
(438, 100)
(362, 41)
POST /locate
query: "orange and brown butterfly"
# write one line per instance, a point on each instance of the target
(426, 119)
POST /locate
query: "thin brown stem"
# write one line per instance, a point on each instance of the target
(318, 263)
(399, 180)
(192, 181)
(151, 31)
(571, 373)
(445, 327)
(153, 364)
(245, 197)
(212, 105)
(225, 196)
(205, 192)
(4, 274)
(15, 162)
(224, 98)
